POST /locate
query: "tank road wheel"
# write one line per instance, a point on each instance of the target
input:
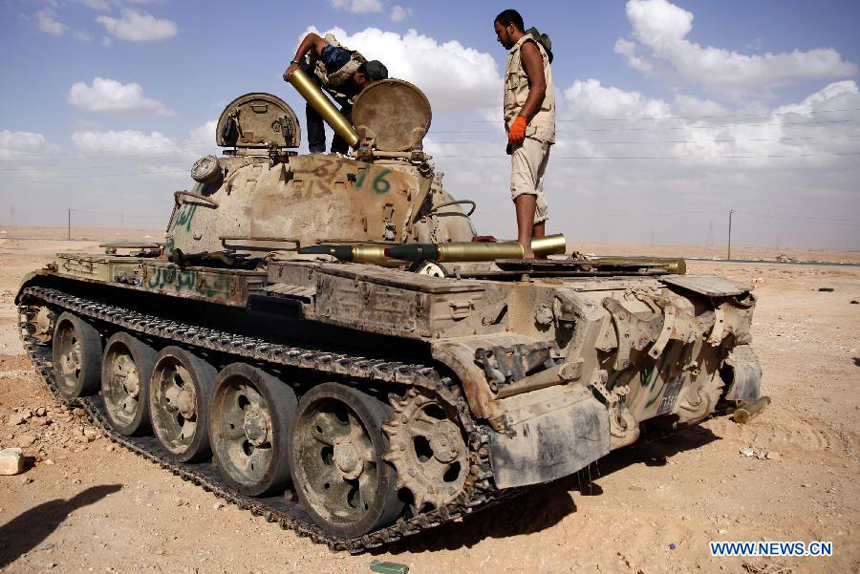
(427, 449)
(126, 371)
(77, 350)
(180, 393)
(249, 420)
(336, 455)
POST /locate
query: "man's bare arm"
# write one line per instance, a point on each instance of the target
(533, 65)
(311, 43)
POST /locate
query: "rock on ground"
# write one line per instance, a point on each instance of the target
(11, 461)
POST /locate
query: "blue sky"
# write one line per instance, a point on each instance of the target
(737, 105)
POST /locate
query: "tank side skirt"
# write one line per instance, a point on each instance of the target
(480, 493)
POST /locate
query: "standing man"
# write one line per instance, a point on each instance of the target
(342, 73)
(529, 113)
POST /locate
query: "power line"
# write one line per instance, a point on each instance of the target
(87, 176)
(803, 219)
(121, 214)
(112, 166)
(722, 140)
(631, 142)
(686, 157)
(64, 156)
(706, 117)
(452, 156)
(654, 128)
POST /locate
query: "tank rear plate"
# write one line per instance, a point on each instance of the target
(394, 113)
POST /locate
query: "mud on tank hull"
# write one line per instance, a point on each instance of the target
(418, 399)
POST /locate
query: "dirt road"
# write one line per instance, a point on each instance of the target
(85, 506)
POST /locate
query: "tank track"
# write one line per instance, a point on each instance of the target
(480, 491)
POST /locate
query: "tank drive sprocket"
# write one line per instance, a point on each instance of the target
(427, 448)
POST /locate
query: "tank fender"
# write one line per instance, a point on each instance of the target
(459, 356)
(554, 438)
(741, 371)
(28, 280)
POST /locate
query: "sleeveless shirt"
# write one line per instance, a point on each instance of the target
(542, 125)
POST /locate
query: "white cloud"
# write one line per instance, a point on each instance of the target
(99, 5)
(837, 95)
(47, 22)
(148, 148)
(108, 5)
(15, 145)
(82, 36)
(137, 26)
(662, 47)
(358, 6)
(399, 13)
(124, 142)
(596, 120)
(590, 99)
(111, 96)
(453, 76)
(203, 135)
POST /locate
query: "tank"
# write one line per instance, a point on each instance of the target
(326, 341)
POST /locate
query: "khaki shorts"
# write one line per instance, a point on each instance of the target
(528, 164)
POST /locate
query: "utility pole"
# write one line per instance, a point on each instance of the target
(729, 256)
(70, 225)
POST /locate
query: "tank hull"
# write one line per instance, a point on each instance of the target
(547, 375)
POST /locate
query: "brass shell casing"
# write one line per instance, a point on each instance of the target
(374, 254)
(318, 101)
(549, 245)
(479, 251)
(749, 410)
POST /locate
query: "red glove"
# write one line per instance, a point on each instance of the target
(517, 133)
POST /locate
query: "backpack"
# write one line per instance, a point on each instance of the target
(543, 40)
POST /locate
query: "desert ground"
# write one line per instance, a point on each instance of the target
(84, 505)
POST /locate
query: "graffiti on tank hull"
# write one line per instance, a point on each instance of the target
(189, 281)
(324, 177)
(183, 217)
(181, 221)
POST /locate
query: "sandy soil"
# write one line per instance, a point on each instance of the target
(84, 506)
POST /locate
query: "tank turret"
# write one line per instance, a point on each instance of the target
(262, 196)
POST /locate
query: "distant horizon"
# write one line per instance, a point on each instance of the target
(4, 234)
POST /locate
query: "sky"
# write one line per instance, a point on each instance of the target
(670, 113)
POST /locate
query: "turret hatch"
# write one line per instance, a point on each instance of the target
(258, 120)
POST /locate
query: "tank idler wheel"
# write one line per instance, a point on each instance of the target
(180, 393)
(39, 322)
(249, 419)
(126, 371)
(336, 455)
(77, 356)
